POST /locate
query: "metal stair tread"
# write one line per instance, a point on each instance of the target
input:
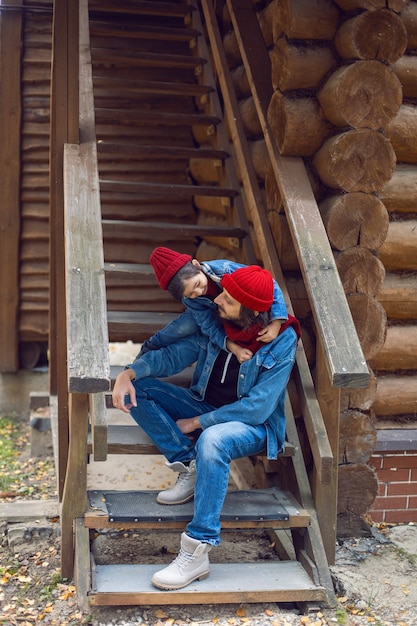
(228, 582)
(242, 508)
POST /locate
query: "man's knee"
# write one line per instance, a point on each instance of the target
(211, 441)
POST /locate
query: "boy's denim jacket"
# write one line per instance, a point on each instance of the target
(186, 324)
(262, 380)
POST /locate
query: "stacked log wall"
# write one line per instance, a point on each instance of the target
(344, 101)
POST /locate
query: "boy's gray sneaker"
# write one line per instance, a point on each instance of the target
(183, 490)
(191, 563)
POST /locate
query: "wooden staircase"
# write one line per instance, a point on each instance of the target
(126, 191)
(152, 97)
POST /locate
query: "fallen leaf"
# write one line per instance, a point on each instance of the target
(240, 612)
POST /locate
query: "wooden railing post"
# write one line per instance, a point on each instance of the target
(326, 499)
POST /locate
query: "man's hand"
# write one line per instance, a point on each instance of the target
(188, 425)
(123, 387)
(270, 332)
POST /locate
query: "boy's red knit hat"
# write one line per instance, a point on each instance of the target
(252, 286)
(166, 263)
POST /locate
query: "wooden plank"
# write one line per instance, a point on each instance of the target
(345, 361)
(142, 117)
(284, 581)
(121, 229)
(325, 497)
(168, 152)
(10, 119)
(142, 7)
(136, 325)
(82, 571)
(168, 189)
(99, 428)
(120, 87)
(88, 357)
(143, 31)
(312, 540)
(63, 128)
(141, 273)
(74, 499)
(137, 58)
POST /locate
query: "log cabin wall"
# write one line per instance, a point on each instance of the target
(344, 79)
(27, 62)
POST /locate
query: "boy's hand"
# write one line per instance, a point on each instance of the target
(270, 332)
(242, 354)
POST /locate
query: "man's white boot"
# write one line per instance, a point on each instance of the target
(192, 563)
(183, 490)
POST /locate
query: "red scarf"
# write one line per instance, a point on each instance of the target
(247, 337)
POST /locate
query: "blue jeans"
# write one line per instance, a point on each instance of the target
(159, 406)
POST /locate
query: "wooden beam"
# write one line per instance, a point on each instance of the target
(10, 120)
(64, 128)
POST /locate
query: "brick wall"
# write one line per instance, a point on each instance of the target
(395, 462)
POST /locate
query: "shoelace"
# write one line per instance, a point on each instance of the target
(183, 559)
(183, 479)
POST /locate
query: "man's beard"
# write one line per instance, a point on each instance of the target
(232, 321)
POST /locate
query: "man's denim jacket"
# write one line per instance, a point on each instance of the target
(186, 324)
(262, 380)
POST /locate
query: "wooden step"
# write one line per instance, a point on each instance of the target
(121, 88)
(282, 581)
(141, 274)
(137, 58)
(137, 30)
(260, 508)
(128, 229)
(136, 326)
(125, 439)
(161, 189)
(141, 117)
(140, 7)
(167, 152)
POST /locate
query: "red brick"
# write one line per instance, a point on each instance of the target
(392, 475)
(402, 489)
(377, 516)
(412, 502)
(390, 503)
(399, 462)
(395, 517)
(413, 476)
(376, 462)
(382, 489)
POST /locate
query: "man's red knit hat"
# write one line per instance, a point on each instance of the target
(166, 263)
(252, 286)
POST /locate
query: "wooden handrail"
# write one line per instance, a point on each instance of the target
(87, 350)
